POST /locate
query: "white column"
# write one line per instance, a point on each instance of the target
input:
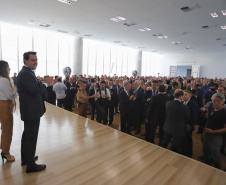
(76, 56)
(138, 62)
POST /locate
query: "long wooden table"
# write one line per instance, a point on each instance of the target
(80, 151)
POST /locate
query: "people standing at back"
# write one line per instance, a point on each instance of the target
(177, 114)
(60, 88)
(156, 114)
(8, 94)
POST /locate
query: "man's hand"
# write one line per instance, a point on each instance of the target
(210, 131)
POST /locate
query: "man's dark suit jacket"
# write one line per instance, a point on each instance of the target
(125, 103)
(157, 109)
(194, 112)
(91, 93)
(139, 102)
(31, 97)
(177, 114)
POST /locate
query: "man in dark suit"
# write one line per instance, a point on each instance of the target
(156, 114)
(113, 92)
(125, 107)
(70, 93)
(177, 114)
(138, 105)
(32, 107)
(189, 126)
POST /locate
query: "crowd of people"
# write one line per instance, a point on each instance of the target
(172, 104)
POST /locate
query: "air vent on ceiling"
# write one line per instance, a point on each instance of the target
(117, 41)
(36, 23)
(224, 44)
(186, 9)
(218, 39)
(191, 7)
(129, 24)
(87, 35)
(62, 31)
(205, 27)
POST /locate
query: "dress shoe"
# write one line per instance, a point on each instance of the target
(36, 168)
(35, 159)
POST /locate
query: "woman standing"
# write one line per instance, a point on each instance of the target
(7, 96)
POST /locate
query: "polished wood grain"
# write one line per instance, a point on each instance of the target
(80, 151)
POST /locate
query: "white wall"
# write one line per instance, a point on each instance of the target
(211, 64)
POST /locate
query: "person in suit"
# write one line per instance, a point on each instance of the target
(125, 107)
(177, 114)
(138, 105)
(117, 87)
(189, 126)
(32, 107)
(113, 92)
(156, 114)
(8, 94)
(70, 92)
(92, 102)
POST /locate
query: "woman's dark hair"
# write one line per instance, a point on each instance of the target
(4, 69)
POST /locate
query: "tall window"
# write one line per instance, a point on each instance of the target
(106, 59)
(53, 49)
(10, 46)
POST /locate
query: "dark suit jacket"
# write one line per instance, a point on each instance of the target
(91, 100)
(139, 102)
(157, 109)
(177, 114)
(31, 95)
(124, 103)
(194, 112)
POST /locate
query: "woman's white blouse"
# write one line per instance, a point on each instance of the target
(6, 91)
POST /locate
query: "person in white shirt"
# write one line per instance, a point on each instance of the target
(102, 98)
(8, 94)
(60, 89)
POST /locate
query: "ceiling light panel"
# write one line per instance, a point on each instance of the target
(214, 15)
(223, 27)
(68, 2)
(118, 19)
(144, 29)
(223, 12)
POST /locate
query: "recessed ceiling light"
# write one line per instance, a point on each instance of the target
(188, 47)
(77, 31)
(223, 27)
(118, 18)
(214, 15)
(176, 43)
(161, 36)
(68, 2)
(141, 29)
(144, 29)
(223, 12)
(87, 35)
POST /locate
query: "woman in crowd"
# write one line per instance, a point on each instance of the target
(215, 127)
(7, 102)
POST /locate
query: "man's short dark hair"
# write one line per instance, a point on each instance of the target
(102, 82)
(92, 80)
(59, 79)
(178, 94)
(175, 84)
(26, 54)
(162, 88)
(197, 85)
(188, 91)
(154, 81)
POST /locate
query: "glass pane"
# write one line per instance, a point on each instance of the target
(100, 60)
(52, 54)
(9, 46)
(25, 43)
(40, 48)
(64, 53)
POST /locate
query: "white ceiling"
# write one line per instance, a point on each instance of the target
(162, 16)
